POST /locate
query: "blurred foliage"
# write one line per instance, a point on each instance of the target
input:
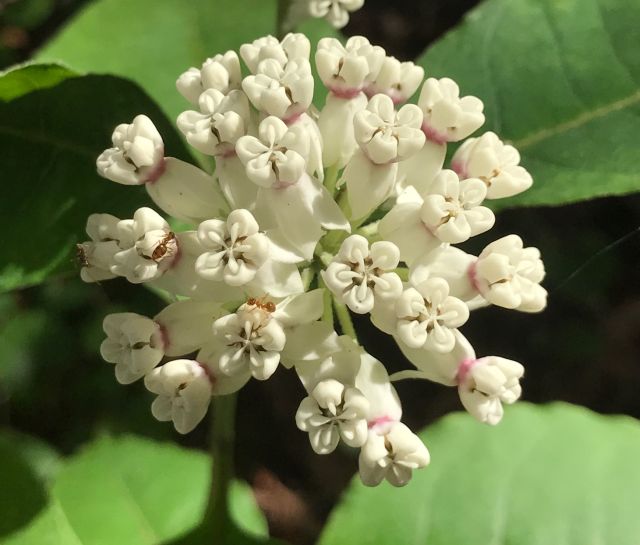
(126, 491)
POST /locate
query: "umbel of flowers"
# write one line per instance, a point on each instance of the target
(282, 241)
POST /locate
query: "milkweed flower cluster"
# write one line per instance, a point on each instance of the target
(307, 214)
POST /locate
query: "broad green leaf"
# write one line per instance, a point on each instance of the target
(556, 474)
(22, 493)
(49, 141)
(153, 41)
(41, 458)
(133, 491)
(561, 80)
(23, 79)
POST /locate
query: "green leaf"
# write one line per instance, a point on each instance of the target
(153, 41)
(134, 491)
(22, 79)
(556, 474)
(49, 141)
(22, 493)
(561, 80)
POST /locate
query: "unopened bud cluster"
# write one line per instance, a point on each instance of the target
(282, 233)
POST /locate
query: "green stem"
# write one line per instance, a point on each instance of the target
(327, 299)
(344, 319)
(331, 179)
(217, 518)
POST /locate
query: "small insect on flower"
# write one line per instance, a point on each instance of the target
(81, 256)
(262, 303)
(162, 248)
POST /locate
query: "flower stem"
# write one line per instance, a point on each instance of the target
(217, 519)
(331, 179)
(344, 319)
(327, 298)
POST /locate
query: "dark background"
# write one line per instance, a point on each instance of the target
(583, 349)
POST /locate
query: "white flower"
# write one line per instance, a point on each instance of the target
(150, 247)
(488, 382)
(277, 157)
(333, 411)
(221, 121)
(357, 274)
(398, 80)
(221, 72)
(241, 275)
(509, 275)
(236, 249)
(298, 205)
(137, 154)
(184, 393)
(347, 70)
(452, 211)
(294, 46)
(134, 343)
(392, 456)
(428, 316)
(254, 336)
(386, 135)
(497, 164)
(334, 11)
(96, 255)
(283, 91)
(447, 117)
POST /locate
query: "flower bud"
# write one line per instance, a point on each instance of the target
(222, 119)
(149, 247)
(184, 393)
(495, 163)
(428, 316)
(357, 274)
(392, 456)
(486, 384)
(134, 343)
(97, 255)
(235, 249)
(283, 91)
(221, 72)
(447, 117)
(347, 70)
(137, 153)
(398, 80)
(509, 275)
(334, 11)
(452, 211)
(332, 412)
